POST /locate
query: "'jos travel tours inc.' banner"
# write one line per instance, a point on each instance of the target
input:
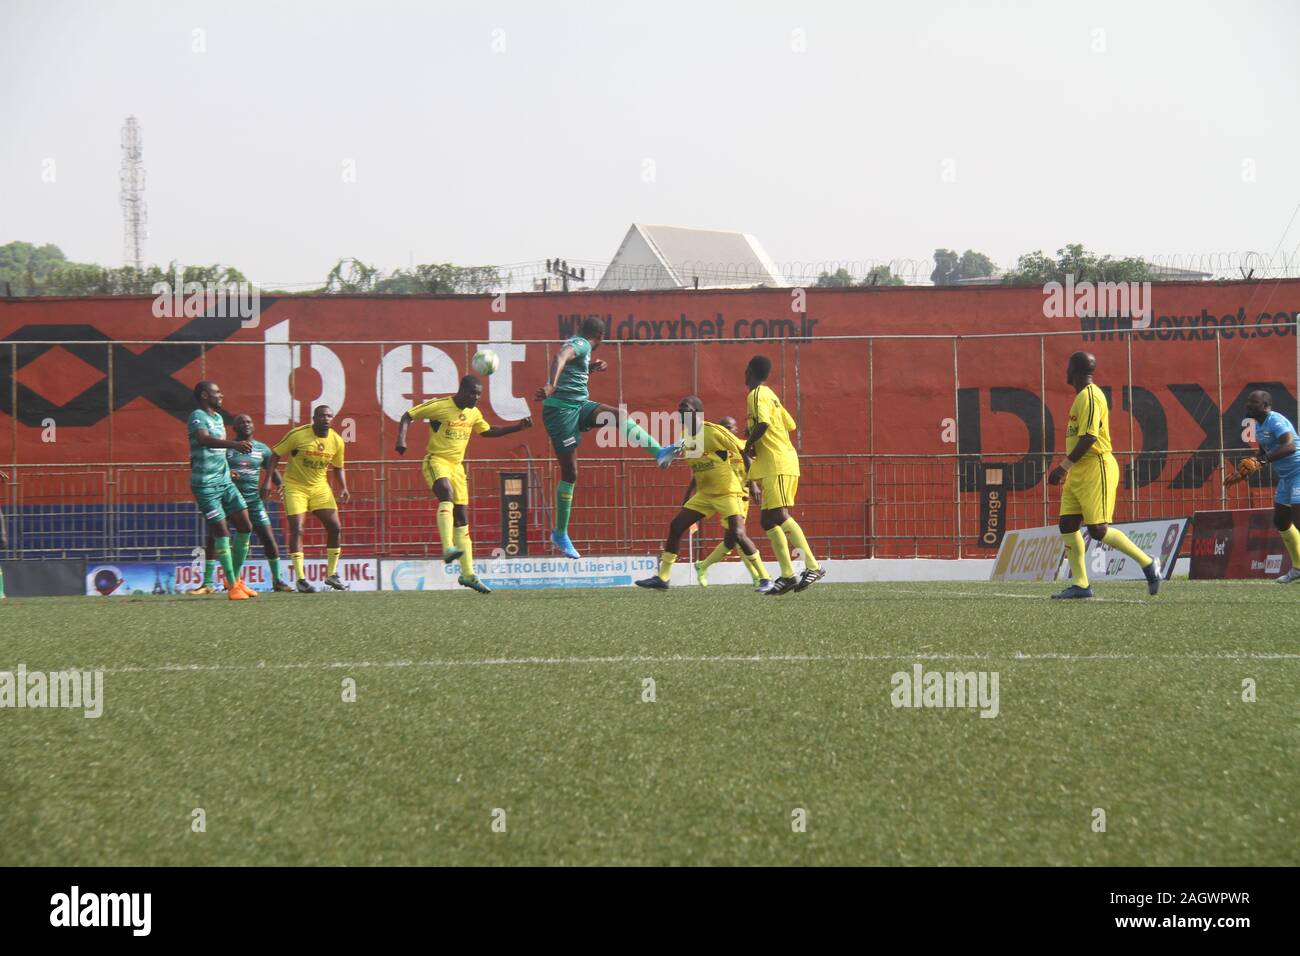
(124, 579)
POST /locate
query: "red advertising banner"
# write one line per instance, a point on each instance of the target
(909, 378)
(1237, 544)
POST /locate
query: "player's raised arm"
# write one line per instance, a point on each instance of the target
(562, 358)
(502, 431)
(402, 426)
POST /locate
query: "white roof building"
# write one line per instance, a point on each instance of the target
(673, 257)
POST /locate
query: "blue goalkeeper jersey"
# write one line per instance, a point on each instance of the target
(1271, 434)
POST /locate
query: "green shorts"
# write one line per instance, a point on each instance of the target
(256, 507)
(566, 421)
(217, 501)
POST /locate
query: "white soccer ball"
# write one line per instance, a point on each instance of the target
(485, 362)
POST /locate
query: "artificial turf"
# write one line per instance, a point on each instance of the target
(533, 703)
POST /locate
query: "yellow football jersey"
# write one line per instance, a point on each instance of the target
(774, 454)
(712, 454)
(309, 455)
(453, 427)
(1089, 415)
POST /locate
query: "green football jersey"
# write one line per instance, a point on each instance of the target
(246, 469)
(207, 465)
(571, 389)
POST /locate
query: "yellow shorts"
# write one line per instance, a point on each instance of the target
(724, 506)
(744, 514)
(1090, 488)
(301, 498)
(779, 491)
(435, 469)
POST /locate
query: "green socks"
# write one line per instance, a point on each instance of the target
(221, 548)
(275, 568)
(239, 551)
(638, 436)
(209, 573)
(2, 583)
(563, 505)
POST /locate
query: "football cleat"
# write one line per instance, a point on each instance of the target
(654, 583)
(281, 587)
(1072, 592)
(807, 577)
(782, 586)
(202, 589)
(562, 544)
(241, 586)
(1292, 575)
(451, 554)
(335, 582)
(701, 574)
(237, 594)
(665, 456)
(763, 586)
(303, 587)
(473, 583)
(1152, 571)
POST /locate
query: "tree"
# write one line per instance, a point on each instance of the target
(974, 265)
(946, 267)
(882, 275)
(840, 280)
(1036, 268)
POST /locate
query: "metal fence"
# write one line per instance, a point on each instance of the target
(862, 504)
(851, 506)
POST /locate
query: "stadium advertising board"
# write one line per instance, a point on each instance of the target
(45, 578)
(1237, 544)
(1161, 538)
(510, 574)
(1030, 554)
(123, 579)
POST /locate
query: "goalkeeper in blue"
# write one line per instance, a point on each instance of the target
(1277, 447)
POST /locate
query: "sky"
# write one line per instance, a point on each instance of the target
(281, 136)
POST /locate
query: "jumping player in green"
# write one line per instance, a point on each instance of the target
(213, 488)
(567, 412)
(246, 470)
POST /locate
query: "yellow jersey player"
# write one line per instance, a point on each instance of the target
(1091, 477)
(776, 470)
(716, 488)
(452, 421)
(754, 563)
(312, 451)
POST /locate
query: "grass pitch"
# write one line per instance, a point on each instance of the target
(532, 702)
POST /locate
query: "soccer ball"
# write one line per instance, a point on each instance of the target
(485, 362)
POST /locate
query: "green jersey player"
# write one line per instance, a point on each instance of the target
(214, 490)
(246, 471)
(568, 411)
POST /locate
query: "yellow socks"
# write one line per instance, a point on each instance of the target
(755, 565)
(716, 555)
(467, 551)
(332, 560)
(1291, 538)
(1121, 542)
(1074, 551)
(782, 550)
(299, 566)
(795, 534)
(445, 531)
(666, 561)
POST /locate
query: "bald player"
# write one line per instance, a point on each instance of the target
(1091, 477)
(1277, 447)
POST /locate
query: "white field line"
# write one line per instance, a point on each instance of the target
(679, 659)
(1009, 594)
